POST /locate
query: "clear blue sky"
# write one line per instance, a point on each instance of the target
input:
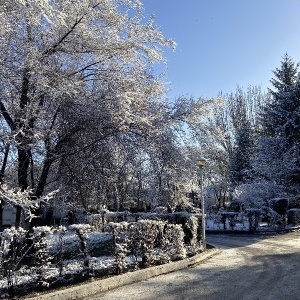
(225, 43)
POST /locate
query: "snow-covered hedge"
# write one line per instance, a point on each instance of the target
(50, 256)
(98, 243)
(24, 255)
(190, 223)
(148, 242)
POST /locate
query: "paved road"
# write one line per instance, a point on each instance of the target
(250, 267)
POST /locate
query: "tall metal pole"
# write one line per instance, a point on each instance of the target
(201, 163)
(202, 208)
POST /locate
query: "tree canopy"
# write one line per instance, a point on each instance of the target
(74, 74)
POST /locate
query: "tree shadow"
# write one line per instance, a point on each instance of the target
(273, 276)
(226, 241)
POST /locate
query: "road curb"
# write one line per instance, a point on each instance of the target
(102, 285)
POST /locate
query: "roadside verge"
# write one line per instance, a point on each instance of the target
(102, 285)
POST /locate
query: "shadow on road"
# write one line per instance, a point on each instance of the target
(273, 276)
(225, 241)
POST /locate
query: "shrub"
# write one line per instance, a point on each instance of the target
(118, 231)
(173, 243)
(143, 236)
(14, 248)
(81, 231)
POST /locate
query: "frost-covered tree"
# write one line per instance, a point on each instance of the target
(273, 162)
(72, 69)
(240, 159)
(280, 128)
(286, 75)
(281, 116)
(189, 130)
(243, 109)
(284, 98)
(231, 140)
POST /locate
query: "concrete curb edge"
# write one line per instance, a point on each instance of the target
(102, 285)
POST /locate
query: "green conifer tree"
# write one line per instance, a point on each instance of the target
(280, 118)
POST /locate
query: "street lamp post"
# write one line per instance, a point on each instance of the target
(201, 163)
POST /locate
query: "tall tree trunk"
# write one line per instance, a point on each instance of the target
(23, 168)
(24, 152)
(44, 175)
(40, 189)
(2, 171)
(18, 216)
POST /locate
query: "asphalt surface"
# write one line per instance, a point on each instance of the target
(250, 267)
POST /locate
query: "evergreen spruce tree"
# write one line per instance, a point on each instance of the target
(284, 102)
(280, 119)
(285, 76)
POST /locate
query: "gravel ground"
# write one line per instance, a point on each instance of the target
(250, 267)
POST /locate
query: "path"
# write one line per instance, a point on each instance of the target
(249, 267)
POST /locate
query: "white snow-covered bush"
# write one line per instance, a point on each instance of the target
(59, 249)
(119, 232)
(192, 232)
(82, 231)
(256, 195)
(97, 221)
(143, 236)
(39, 255)
(61, 254)
(173, 247)
(116, 217)
(13, 251)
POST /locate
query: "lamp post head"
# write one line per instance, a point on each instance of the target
(200, 162)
